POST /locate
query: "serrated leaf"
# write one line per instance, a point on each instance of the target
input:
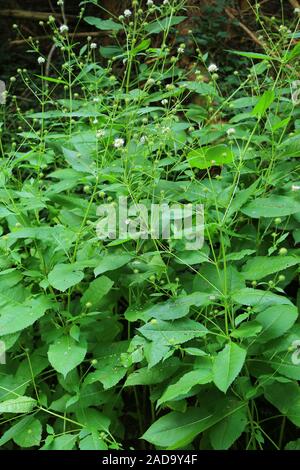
(64, 276)
(185, 383)
(176, 332)
(16, 316)
(110, 262)
(227, 365)
(206, 157)
(276, 321)
(273, 206)
(18, 405)
(103, 25)
(96, 291)
(65, 354)
(31, 435)
(223, 434)
(262, 266)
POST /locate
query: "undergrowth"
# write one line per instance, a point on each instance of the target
(143, 343)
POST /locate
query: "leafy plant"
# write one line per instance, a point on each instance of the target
(125, 343)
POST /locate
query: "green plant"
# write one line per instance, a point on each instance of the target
(110, 341)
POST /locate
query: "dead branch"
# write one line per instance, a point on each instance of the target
(32, 15)
(244, 27)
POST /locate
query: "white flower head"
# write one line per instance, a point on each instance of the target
(127, 13)
(143, 139)
(63, 28)
(230, 131)
(212, 68)
(100, 133)
(166, 2)
(164, 102)
(119, 142)
(41, 60)
(297, 11)
(180, 50)
(93, 45)
(150, 3)
(295, 187)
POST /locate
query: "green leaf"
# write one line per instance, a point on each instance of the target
(286, 398)
(227, 365)
(171, 309)
(103, 25)
(262, 266)
(16, 316)
(276, 321)
(254, 297)
(293, 445)
(263, 104)
(110, 262)
(16, 429)
(223, 434)
(163, 25)
(96, 291)
(31, 435)
(18, 405)
(254, 55)
(65, 354)
(200, 88)
(273, 206)
(53, 80)
(177, 332)
(206, 157)
(64, 276)
(247, 329)
(185, 383)
(176, 430)
(64, 442)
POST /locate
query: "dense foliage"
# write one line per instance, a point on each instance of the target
(119, 344)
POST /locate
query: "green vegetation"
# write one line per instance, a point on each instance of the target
(142, 343)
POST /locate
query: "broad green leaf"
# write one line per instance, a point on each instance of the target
(206, 157)
(158, 374)
(176, 430)
(200, 88)
(223, 434)
(64, 442)
(113, 261)
(18, 405)
(262, 266)
(247, 329)
(293, 445)
(185, 383)
(286, 398)
(92, 442)
(273, 206)
(65, 354)
(64, 276)
(263, 104)
(16, 429)
(170, 333)
(96, 291)
(276, 321)
(30, 436)
(162, 25)
(171, 309)
(227, 365)
(255, 297)
(16, 316)
(104, 25)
